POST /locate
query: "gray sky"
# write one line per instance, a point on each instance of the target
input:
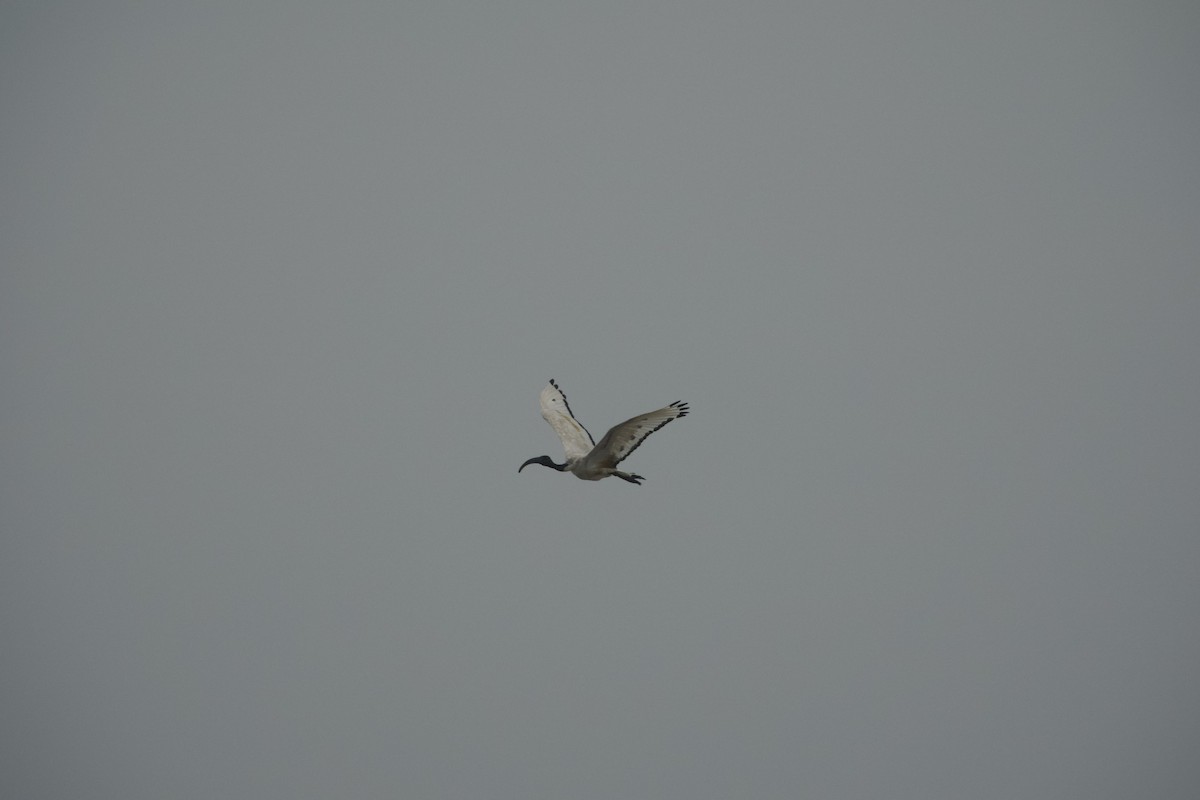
(281, 284)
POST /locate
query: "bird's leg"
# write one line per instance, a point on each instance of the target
(629, 476)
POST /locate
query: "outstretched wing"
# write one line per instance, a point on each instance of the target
(577, 442)
(623, 439)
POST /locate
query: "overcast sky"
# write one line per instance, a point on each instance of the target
(281, 283)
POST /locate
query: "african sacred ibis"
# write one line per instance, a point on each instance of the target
(588, 460)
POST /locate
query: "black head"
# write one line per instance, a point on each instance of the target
(545, 462)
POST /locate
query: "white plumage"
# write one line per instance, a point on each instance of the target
(585, 458)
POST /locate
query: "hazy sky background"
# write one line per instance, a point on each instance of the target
(282, 281)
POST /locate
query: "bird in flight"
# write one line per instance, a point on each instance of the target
(586, 459)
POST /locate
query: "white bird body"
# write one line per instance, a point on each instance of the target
(586, 459)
